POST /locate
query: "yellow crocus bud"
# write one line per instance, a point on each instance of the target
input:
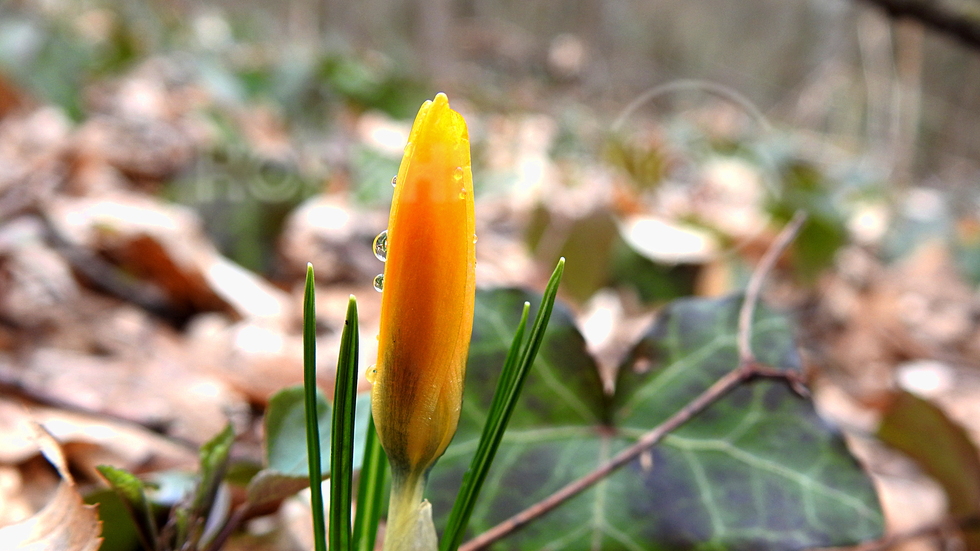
(426, 309)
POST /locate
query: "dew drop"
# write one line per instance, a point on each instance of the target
(458, 173)
(380, 246)
(474, 238)
(394, 180)
(379, 282)
(371, 374)
(462, 193)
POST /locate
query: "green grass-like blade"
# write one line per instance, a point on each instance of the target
(516, 367)
(370, 491)
(312, 428)
(509, 372)
(342, 435)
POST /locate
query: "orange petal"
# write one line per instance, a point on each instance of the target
(429, 289)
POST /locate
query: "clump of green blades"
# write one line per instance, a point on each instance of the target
(343, 536)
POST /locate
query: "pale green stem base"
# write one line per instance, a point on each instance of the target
(410, 525)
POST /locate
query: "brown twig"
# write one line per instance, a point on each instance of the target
(754, 286)
(748, 368)
(236, 519)
(934, 15)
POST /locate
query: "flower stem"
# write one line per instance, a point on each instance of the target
(410, 525)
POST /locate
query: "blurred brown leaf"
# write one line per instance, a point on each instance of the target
(65, 523)
(941, 448)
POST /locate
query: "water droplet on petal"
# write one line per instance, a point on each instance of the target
(458, 173)
(394, 180)
(379, 282)
(474, 238)
(462, 193)
(380, 246)
(371, 374)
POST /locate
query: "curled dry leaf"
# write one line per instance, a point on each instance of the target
(165, 245)
(65, 523)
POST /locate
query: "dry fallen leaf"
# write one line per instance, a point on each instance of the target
(65, 523)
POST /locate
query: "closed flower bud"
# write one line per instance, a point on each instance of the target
(427, 299)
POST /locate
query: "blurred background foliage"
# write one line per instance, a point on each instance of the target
(873, 107)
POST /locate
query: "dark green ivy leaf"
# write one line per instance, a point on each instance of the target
(757, 470)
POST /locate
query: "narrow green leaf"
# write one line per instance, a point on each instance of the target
(342, 445)
(509, 372)
(131, 492)
(370, 491)
(516, 367)
(312, 426)
(480, 465)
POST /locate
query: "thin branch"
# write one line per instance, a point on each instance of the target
(936, 16)
(230, 526)
(748, 368)
(754, 286)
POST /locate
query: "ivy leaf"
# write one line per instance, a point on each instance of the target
(758, 469)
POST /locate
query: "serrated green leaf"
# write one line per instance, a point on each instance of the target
(759, 469)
